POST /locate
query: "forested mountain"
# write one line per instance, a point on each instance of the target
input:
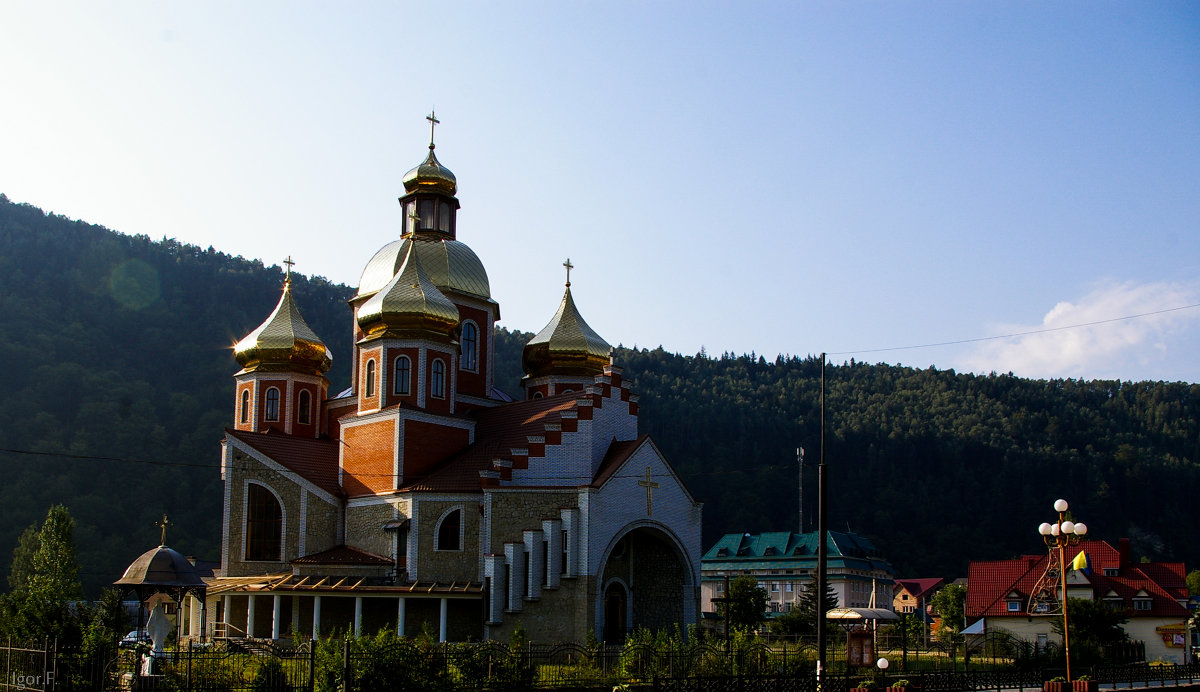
(118, 384)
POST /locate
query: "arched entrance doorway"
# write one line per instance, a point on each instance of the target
(647, 583)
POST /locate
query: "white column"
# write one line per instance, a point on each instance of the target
(493, 567)
(250, 615)
(316, 618)
(276, 615)
(358, 616)
(552, 535)
(570, 520)
(400, 616)
(228, 609)
(514, 556)
(442, 620)
(194, 617)
(537, 563)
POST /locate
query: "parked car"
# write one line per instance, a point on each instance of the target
(132, 639)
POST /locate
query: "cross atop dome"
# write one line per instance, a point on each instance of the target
(433, 122)
(569, 267)
(288, 264)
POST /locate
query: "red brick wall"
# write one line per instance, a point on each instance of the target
(369, 458)
(414, 368)
(441, 405)
(366, 403)
(251, 413)
(284, 408)
(475, 383)
(426, 444)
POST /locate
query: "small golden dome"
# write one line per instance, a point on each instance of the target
(566, 346)
(410, 303)
(284, 342)
(430, 175)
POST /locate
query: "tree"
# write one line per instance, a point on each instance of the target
(22, 562)
(1193, 582)
(746, 601)
(802, 619)
(44, 605)
(949, 604)
(1094, 625)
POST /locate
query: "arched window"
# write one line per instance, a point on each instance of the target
(449, 531)
(264, 525)
(403, 375)
(437, 380)
(369, 385)
(470, 346)
(536, 395)
(245, 415)
(304, 408)
(273, 404)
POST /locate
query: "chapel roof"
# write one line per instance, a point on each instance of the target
(409, 303)
(344, 555)
(162, 567)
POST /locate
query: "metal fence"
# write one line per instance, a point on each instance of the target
(364, 665)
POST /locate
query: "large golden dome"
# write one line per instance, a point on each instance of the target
(566, 346)
(410, 303)
(284, 342)
(430, 174)
(450, 265)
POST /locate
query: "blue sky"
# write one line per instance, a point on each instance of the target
(772, 177)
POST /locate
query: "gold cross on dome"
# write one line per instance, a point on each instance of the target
(649, 485)
(288, 263)
(164, 524)
(433, 122)
(569, 267)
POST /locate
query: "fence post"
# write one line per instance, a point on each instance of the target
(312, 665)
(346, 665)
(188, 684)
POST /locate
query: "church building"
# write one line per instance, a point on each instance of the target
(422, 498)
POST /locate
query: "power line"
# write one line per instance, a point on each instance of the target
(1016, 334)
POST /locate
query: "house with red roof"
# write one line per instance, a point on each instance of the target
(422, 498)
(1004, 595)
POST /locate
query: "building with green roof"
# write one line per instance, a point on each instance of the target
(785, 565)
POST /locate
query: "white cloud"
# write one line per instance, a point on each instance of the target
(1152, 346)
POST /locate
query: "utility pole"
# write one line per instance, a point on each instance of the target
(800, 463)
(822, 528)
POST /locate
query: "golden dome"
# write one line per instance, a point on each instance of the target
(566, 346)
(410, 302)
(430, 175)
(284, 342)
(450, 265)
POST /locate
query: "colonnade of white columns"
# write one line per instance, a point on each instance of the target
(278, 626)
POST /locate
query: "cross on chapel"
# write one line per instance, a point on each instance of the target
(288, 263)
(649, 485)
(569, 267)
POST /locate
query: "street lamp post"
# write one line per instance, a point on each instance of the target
(1059, 535)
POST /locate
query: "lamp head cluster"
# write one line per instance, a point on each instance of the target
(1064, 531)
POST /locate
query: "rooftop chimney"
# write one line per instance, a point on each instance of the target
(1123, 550)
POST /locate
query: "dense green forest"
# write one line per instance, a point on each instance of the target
(118, 384)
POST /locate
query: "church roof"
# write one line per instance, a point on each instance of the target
(498, 430)
(284, 341)
(618, 453)
(315, 460)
